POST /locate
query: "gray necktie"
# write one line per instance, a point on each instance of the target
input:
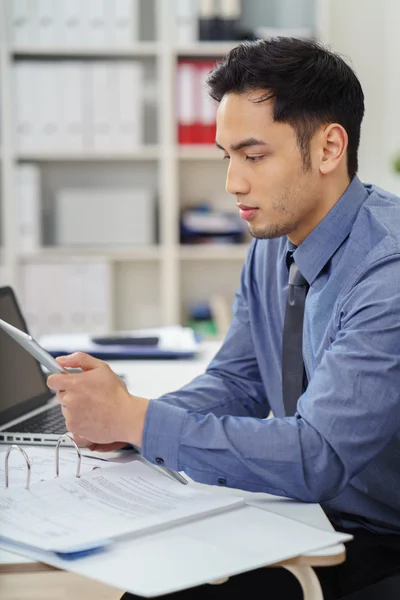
(294, 380)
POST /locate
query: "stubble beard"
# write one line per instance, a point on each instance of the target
(284, 207)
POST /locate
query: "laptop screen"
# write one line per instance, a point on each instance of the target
(22, 381)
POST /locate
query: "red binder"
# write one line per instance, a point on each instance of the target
(207, 106)
(187, 103)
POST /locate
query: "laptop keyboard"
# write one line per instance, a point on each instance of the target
(49, 421)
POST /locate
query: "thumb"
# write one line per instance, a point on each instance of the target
(79, 360)
(107, 447)
(82, 441)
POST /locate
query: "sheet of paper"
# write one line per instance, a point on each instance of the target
(70, 513)
(196, 552)
(43, 466)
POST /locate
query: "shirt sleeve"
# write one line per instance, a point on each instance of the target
(347, 415)
(232, 383)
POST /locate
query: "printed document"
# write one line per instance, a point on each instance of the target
(71, 514)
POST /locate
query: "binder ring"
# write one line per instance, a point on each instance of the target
(78, 467)
(28, 465)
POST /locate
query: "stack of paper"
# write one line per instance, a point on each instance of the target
(175, 341)
(194, 534)
(69, 515)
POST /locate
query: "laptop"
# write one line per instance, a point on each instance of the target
(29, 412)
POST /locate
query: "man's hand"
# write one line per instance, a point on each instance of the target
(98, 447)
(96, 403)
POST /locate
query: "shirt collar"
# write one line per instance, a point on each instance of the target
(323, 241)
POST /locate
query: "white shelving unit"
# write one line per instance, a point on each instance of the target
(168, 275)
(163, 266)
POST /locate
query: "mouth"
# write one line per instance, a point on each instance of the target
(247, 212)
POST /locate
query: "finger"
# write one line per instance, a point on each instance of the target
(80, 441)
(58, 383)
(64, 411)
(108, 447)
(80, 360)
(60, 397)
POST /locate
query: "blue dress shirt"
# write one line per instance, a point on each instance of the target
(342, 447)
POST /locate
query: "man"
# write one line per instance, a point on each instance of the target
(288, 122)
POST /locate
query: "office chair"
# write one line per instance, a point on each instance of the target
(387, 589)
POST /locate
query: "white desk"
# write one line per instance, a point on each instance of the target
(141, 380)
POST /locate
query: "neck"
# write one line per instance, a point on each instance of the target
(328, 196)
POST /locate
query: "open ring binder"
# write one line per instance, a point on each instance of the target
(78, 466)
(28, 465)
(28, 462)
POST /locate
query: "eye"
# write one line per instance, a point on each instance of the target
(255, 158)
(225, 157)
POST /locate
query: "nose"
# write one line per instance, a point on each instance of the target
(236, 183)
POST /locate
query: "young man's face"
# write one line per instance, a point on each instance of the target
(275, 193)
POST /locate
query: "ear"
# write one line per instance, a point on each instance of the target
(334, 146)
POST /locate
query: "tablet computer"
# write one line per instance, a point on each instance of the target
(30, 345)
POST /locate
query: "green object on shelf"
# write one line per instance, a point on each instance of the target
(204, 327)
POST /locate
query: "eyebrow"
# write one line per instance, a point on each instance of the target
(243, 144)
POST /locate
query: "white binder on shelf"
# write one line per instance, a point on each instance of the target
(72, 125)
(94, 22)
(109, 24)
(75, 308)
(102, 103)
(22, 22)
(98, 297)
(71, 30)
(27, 100)
(37, 284)
(126, 22)
(45, 26)
(128, 111)
(27, 187)
(48, 114)
(87, 296)
(185, 16)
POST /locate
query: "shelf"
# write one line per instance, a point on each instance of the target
(213, 252)
(150, 49)
(200, 49)
(151, 253)
(143, 153)
(199, 152)
(141, 49)
(150, 152)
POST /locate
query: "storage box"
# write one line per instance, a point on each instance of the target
(105, 217)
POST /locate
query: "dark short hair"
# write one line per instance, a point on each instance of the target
(310, 85)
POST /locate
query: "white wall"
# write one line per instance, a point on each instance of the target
(368, 33)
